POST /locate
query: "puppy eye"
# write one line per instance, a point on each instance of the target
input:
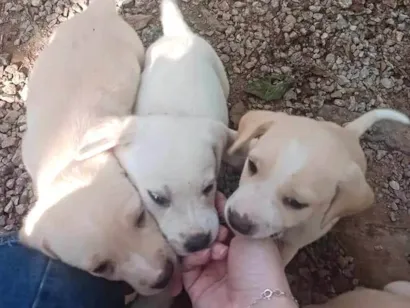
(105, 268)
(160, 200)
(252, 167)
(208, 189)
(140, 222)
(294, 204)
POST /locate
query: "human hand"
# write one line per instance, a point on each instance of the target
(235, 275)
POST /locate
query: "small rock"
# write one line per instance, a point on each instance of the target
(380, 154)
(342, 80)
(290, 95)
(378, 247)
(36, 3)
(394, 185)
(9, 89)
(330, 58)
(290, 22)
(2, 221)
(8, 142)
(224, 6)
(387, 83)
(339, 102)
(336, 94)
(345, 4)
(275, 3)
(9, 207)
(10, 183)
(394, 207)
(20, 209)
(5, 59)
(392, 216)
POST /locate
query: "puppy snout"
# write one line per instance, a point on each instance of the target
(198, 242)
(241, 223)
(165, 276)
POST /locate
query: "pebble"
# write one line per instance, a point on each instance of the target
(392, 216)
(394, 185)
(387, 83)
(36, 3)
(345, 4)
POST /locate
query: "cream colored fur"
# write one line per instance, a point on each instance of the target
(88, 214)
(180, 133)
(394, 295)
(301, 176)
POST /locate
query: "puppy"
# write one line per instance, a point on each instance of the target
(93, 219)
(394, 295)
(86, 77)
(180, 135)
(88, 214)
(300, 177)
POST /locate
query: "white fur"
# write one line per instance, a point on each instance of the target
(177, 146)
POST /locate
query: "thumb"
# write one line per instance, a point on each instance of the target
(255, 265)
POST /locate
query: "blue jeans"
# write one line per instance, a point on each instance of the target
(28, 279)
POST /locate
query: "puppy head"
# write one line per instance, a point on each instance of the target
(174, 162)
(101, 227)
(298, 168)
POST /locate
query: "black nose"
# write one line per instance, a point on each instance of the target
(198, 242)
(165, 277)
(241, 223)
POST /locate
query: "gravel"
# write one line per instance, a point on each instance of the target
(346, 57)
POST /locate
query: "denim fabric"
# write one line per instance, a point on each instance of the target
(28, 279)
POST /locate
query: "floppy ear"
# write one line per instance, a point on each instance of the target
(353, 195)
(252, 125)
(238, 158)
(110, 132)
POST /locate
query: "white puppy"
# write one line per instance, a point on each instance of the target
(92, 60)
(181, 133)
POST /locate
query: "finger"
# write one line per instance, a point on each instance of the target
(220, 201)
(219, 252)
(190, 277)
(196, 259)
(222, 234)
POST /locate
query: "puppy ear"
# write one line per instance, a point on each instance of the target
(252, 125)
(353, 195)
(110, 132)
(237, 158)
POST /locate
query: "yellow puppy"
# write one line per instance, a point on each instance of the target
(300, 177)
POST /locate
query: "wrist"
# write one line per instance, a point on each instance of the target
(275, 298)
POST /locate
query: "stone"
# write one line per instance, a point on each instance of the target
(387, 83)
(36, 3)
(394, 185)
(345, 4)
(8, 142)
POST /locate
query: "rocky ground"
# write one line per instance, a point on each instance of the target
(341, 57)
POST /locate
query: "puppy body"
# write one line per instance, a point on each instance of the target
(88, 214)
(301, 176)
(368, 298)
(181, 134)
(92, 60)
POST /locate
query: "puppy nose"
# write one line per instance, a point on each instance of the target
(241, 223)
(165, 276)
(198, 242)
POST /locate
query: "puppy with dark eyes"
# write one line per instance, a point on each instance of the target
(300, 177)
(88, 214)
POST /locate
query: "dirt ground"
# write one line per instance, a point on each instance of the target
(345, 57)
